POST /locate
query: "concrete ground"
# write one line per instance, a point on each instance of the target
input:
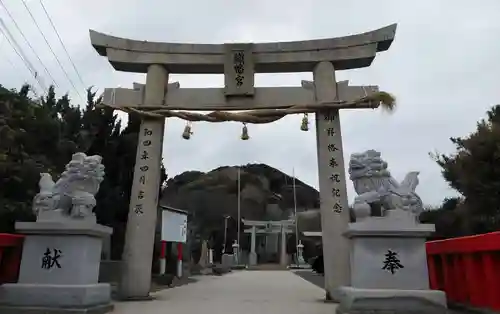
(312, 277)
(319, 281)
(241, 292)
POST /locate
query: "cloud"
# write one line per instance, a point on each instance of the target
(442, 68)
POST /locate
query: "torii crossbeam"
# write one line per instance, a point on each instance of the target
(349, 52)
(205, 99)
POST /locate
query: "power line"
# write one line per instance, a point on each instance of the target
(17, 48)
(4, 30)
(16, 69)
(27, 42)
(51, 50)
(62, 44)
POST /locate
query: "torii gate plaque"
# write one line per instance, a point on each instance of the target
(239, 63)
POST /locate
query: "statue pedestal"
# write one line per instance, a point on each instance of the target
(389, 267)
(59, 270)
(252, 259)
(227, 260)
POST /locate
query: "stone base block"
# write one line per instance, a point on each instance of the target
(55, 296)
(136, 299)
(299, 266)
(239, 267)
(227, 260)
(389, 252)
(389, 301)
(252, 259)
(61, 253)
(99, 309)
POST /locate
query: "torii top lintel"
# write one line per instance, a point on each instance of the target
(349, 52)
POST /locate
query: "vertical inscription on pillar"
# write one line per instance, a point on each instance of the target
(335, 156)
(238, 70)
(332, 183)
(144, 147)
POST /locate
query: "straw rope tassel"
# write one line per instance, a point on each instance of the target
(386, 100)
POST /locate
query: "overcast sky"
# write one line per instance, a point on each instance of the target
(443, 68)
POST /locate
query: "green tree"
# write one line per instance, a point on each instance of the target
(474, 171)
(450, 219)
(22, 155)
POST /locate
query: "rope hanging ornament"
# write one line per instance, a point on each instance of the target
(259, 116)
(187, 131)
(244, 132)
(305, 123)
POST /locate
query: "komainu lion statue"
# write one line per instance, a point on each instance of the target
(72, 196)
(376, 188)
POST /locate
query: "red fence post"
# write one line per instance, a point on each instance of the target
(431, 266)
(11, 247)
(449, 285)
(473, 279)
(491, 285)
(179, 260)
(163, 256)
(459, 278)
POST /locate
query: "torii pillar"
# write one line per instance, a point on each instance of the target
(334, 207)
(239, 63)
(141, 225)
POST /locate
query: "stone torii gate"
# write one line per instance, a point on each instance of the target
(281, 227)
(238, 63)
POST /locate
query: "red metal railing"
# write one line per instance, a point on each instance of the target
(465, 269)
(11, 248)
